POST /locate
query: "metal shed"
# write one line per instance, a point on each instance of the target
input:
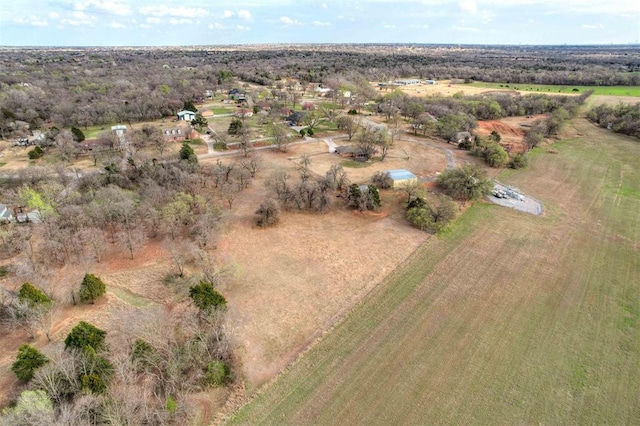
(401, 177)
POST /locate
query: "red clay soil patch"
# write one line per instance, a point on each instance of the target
(510, 129)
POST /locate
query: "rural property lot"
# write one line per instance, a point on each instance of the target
(507, 319)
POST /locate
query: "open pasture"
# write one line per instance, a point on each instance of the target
(506, 319)
(566, 89)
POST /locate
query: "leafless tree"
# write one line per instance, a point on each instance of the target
(337, 177)
(253, 165)
(349, 124)
(94, 239)
(182, 253)
(280, 135)
(305, 171)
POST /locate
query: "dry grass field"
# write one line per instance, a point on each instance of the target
(506, 319)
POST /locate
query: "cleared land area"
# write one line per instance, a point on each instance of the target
(507, 319)
(566, 89)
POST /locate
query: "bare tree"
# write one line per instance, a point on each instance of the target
(182, 253)
(253, 165)
(349, 124)
(268, 214)
(280, 135)
(305, 171)
(337, 177)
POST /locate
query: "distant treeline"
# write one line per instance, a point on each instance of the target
(621, 118)
(82, 87)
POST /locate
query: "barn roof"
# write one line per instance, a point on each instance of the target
(400, 174)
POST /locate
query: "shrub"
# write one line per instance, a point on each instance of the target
(171, 405)
(268, 213)
(85, 335)
(465, 183)
(235, 126)
(421, 218)
(382, 180)
(428, 218)
(91, 288)
(206, 298)
(519, 161)
(77, 134)
(32, 295)
(187, 153)
(352, 112)
(495, 155)
(27, 362)
(35, 153)
(217, 373)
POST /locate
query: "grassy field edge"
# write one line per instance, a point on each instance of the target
(370, 313)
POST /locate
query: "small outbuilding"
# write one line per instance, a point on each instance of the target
(5, 214)
(186, 115)
(401, 177)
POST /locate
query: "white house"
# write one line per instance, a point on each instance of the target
(186, 115)
(5, 214)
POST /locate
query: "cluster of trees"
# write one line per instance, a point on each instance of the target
(621, 118)
(433, 215)
(309, 193)
(123, 206)
(468, 182)
(549, 127)
(29, 309)
(363, 197)
(446, 116)
(141, 376)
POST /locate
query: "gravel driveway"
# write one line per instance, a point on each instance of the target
(528, 205)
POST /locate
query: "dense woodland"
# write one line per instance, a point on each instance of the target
(620, 118)
(86, 86)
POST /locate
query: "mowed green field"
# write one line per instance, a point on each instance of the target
(507, 319)
(548, 88)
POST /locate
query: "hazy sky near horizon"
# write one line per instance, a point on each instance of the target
(207, 22)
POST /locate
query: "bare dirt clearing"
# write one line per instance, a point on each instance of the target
(446, 88)
(510, 129)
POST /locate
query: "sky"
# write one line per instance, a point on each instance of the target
(221, 22)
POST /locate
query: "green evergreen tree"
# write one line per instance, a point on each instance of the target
(32, 295)
(199, 122)
(235, 127)
(78, 136)
(28, 360)
(189, 106)
(85, 335)
(187, 153)
(206, 298)
(91, 288)
(35, 153)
